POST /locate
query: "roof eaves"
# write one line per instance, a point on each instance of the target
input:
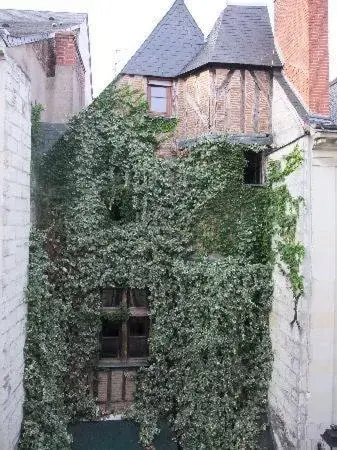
(13, 41)
(301, 110)
(333, 82)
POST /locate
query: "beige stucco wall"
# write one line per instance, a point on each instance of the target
(14, 236)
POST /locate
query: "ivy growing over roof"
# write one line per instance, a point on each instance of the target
(187, 229)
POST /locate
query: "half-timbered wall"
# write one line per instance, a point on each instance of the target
(218, 101)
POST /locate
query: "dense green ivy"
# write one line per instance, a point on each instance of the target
(187, 229)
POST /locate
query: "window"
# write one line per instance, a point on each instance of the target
(253, 167)
(111, 340)
(159, 97)
(138, 333)
(127, 339)
(112, 297)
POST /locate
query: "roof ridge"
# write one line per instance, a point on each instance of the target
(190, 16)
(43, 11)
(218, 25)
(178, 17)
(333, 82)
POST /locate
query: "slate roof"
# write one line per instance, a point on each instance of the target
(172, 44)
(241, 35)
(18, 27)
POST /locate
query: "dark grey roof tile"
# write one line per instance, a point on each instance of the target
(172, 44)
(19, 27)
(242, 35)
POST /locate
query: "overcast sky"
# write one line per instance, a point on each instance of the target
(118, 27)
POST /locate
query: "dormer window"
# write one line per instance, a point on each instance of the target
(159, 94)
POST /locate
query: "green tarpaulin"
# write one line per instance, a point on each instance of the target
(114, 435)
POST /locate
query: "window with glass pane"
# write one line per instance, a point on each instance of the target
(138, 298)
(138, 334)
(111, 340)
(112, 297)
(159, 99)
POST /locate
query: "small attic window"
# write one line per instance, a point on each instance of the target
(51, 18)
(159, 93)
(253, 168)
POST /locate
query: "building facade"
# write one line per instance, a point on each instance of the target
(44, 59)
(273, 91)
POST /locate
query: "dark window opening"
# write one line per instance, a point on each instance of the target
(110, 340)
(138, 298)
(112, 297)
(129, 337)
(138, 331)
(253, 167)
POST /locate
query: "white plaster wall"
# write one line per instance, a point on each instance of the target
(288, 390)
(84, 48)
(14, 236)
(322, 379)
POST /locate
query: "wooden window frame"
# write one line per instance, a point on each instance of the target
(124, 360)
(162, 83)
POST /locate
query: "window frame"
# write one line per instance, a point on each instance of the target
(124, 360)
(161, 83)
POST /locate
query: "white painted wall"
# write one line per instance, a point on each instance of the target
(287, 395)
(303, 390)
(14, 235)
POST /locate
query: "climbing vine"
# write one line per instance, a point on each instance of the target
(185, 228)
(289, 251)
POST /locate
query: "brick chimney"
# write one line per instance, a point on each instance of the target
(65, 48)
(301, 30)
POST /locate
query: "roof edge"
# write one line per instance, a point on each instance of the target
(174, 4)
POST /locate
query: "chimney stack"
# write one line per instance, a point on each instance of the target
(301, 31)
(65, 48)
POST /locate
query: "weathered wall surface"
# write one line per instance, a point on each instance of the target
(322, 379)
(218, 101)
(14, 236)
(288, 389)
(115, 389)
(27, 57)
(333, 100)
(58, 83)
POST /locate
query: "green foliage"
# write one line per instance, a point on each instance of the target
(285, 211)
(119, 315)
(189, 231)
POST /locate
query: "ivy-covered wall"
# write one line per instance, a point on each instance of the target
(111, 212)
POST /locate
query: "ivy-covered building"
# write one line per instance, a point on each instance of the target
(273, 91)
(183, 264)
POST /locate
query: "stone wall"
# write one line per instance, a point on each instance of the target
(333, 100)
(14, 236)
(303, 402)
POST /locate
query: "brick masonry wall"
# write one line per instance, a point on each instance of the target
(115, 388)
(14, 235)
(217, 101)
(301, 29)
